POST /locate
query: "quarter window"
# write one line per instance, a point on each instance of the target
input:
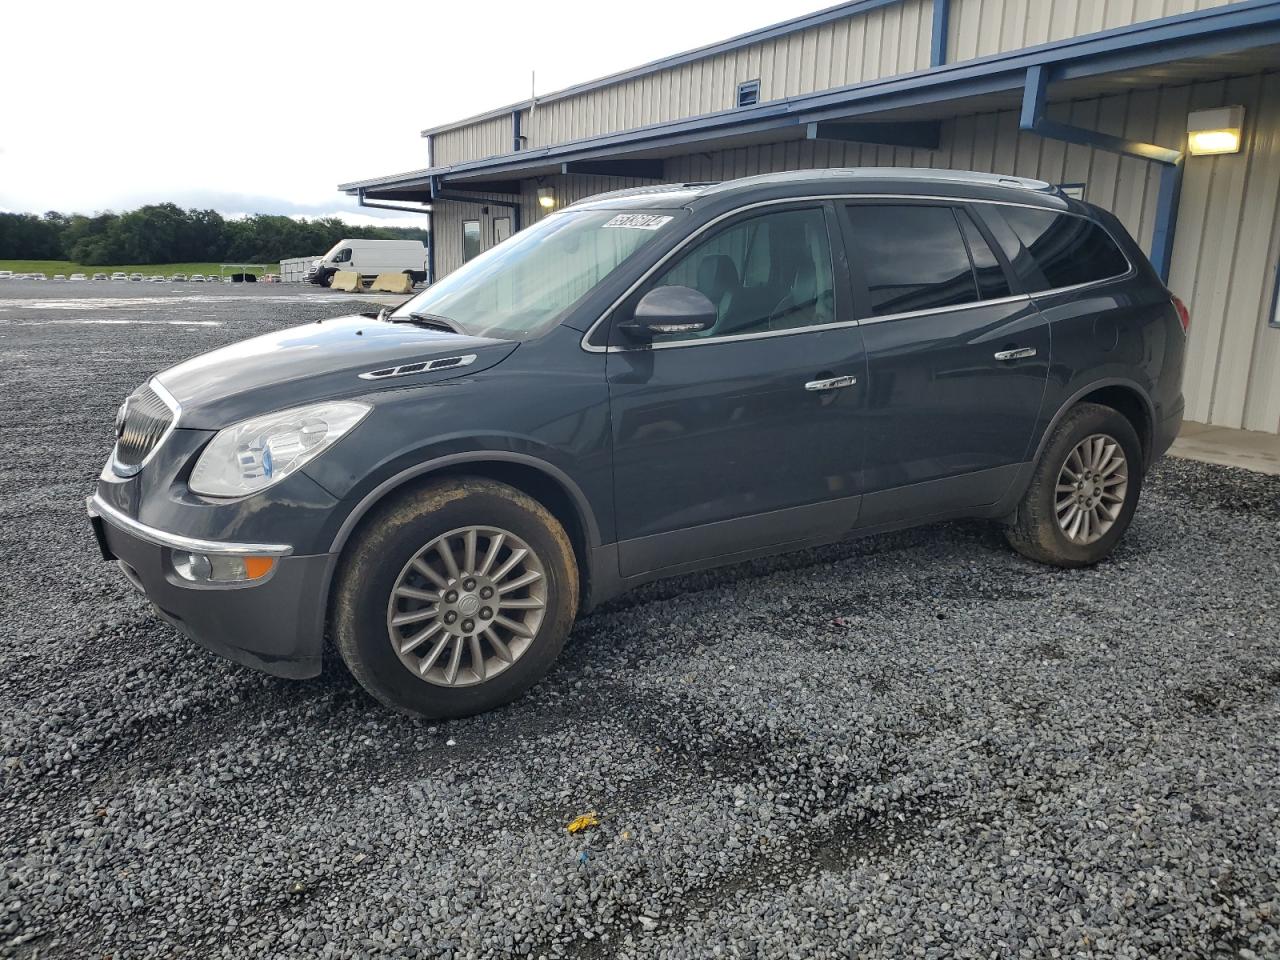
(1067, 249)
(470, 239)
(769, 272)
(911, 257)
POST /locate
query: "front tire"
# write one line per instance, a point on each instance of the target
(455, 599)
(1084, 490)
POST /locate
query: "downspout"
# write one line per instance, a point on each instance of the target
(431, 235)
(938, 38)
(1034, 101)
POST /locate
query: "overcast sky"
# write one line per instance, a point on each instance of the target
(266, 107)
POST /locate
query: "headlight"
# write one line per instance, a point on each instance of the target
(252, 455)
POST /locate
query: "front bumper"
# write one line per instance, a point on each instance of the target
(275, 624)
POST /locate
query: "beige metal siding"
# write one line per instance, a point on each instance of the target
(488, 138)
(880, 43)
(978, 28)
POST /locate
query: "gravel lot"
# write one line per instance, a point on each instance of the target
(915, 745)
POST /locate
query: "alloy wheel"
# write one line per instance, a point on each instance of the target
(467, 606)
(1091, 489)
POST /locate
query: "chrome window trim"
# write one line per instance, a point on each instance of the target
(951, 308)
(592, 348)
(95, 506)
(167, 398)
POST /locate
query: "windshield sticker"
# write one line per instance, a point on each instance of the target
(639, 221)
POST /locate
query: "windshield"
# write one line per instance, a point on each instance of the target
(522, 287)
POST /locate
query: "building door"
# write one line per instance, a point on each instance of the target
(744, 436)
(957, 363)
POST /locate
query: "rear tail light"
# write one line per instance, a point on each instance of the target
(1184, 315)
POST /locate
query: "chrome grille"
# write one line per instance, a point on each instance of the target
(147, 420)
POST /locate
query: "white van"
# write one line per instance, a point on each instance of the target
(370, 258)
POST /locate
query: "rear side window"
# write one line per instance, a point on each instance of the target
(911, 257)
(1067, 249)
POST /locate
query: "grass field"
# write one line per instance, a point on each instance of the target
(50, 267)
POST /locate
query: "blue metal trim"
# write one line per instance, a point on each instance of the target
(938, 39)
(1166, 218)
(1033, 119)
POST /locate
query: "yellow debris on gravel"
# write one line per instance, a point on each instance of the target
(584, 822)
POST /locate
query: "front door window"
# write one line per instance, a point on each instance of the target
(767, 273)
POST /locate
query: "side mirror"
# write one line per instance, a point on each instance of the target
(667, 310)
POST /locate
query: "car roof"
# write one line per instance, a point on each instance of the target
(839, 180)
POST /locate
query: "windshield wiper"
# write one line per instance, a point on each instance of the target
(432, 320)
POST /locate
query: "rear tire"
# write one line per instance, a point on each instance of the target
(425, 638)
(1084, 490)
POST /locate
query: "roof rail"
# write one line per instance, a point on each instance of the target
(640, 191)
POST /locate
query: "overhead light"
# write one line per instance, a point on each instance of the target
(546, 198)
(1215, 131)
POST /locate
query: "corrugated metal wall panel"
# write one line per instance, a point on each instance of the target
(978, 28)
(487, 138)
(882, 42)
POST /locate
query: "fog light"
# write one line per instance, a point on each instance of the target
(217, 568)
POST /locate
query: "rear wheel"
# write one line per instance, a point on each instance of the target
(455, 599)
(1084, 491)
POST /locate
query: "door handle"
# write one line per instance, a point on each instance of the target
(1021, 353)
(832, 383)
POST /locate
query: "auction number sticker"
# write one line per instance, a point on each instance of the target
(639, 221)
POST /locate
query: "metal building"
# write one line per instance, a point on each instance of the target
(1113, 99)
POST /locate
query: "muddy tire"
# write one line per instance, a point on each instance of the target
(455, 598)
(1084, 490)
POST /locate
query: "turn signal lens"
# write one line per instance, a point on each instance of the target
(1184, 315)
(215, 568)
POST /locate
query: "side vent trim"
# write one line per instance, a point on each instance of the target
(424, 366)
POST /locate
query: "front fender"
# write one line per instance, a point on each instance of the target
(561, 429)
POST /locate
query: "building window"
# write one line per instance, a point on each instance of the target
(470, 239)
(501, 229)
(1073, 190)
(748, 93)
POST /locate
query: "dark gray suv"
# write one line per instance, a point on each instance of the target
(643, 384)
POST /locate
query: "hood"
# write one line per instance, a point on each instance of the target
(316, 361)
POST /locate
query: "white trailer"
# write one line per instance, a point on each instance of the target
(370, 258)
(294, 270)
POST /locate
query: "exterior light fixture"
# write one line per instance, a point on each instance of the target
(546, 198)
(1216, 131)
